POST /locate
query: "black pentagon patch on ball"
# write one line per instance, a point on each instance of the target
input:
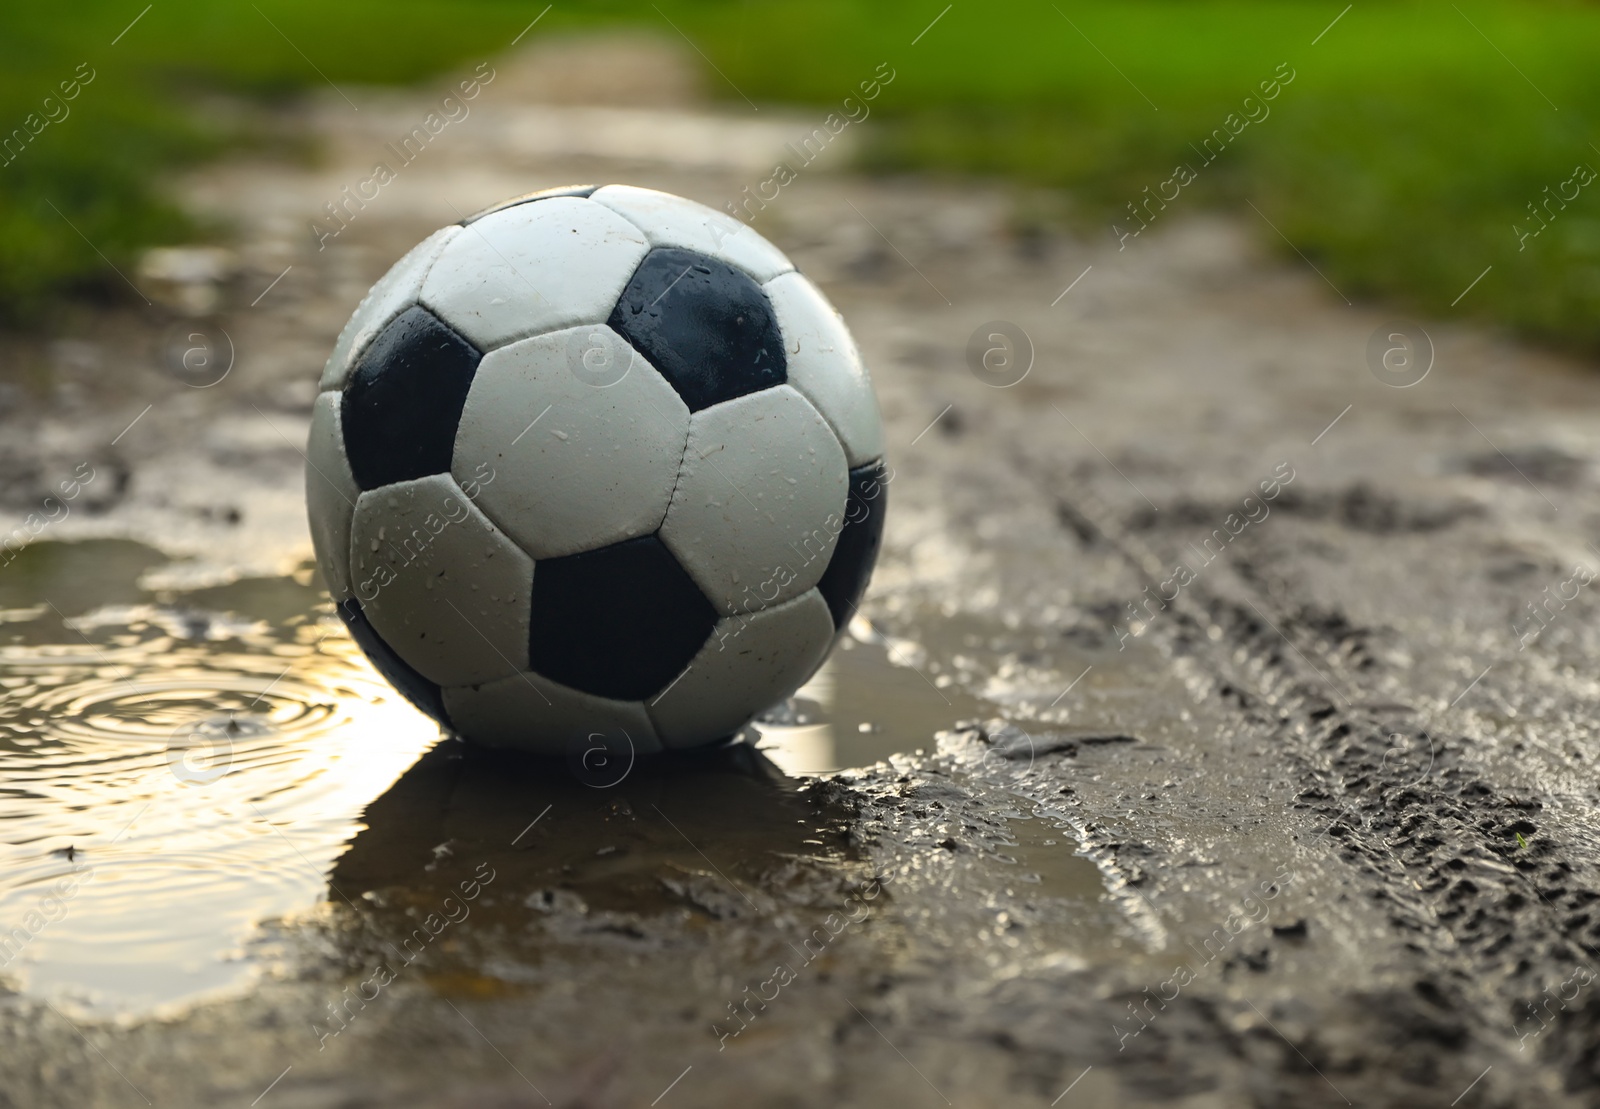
(707, 326)
(620, 622)
(403, 401)
(412, 685)
(845, 579)
(581, 191)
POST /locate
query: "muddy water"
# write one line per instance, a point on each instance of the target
(873, 698)
(193, 785)
(154, 750)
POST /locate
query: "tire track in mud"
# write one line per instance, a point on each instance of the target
(1503, 935)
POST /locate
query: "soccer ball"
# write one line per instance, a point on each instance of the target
(595, 462)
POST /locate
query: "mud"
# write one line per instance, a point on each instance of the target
(1309, 824)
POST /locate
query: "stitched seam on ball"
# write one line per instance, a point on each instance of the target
(677, 477)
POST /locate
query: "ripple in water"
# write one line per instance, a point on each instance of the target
(171, 777)
(178, 772)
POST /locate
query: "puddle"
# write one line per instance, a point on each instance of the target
(873, 698)
(172, 774)
(566, 871)
(188, 777)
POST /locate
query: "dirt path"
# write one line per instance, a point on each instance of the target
(1332, 779)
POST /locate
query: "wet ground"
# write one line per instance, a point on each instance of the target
(1219, 729)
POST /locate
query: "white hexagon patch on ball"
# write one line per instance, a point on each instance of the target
(596, 460)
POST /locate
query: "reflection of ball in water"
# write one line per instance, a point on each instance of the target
(596, 462)
(599, 760)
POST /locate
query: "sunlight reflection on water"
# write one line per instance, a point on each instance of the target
(178, 770)
(170, 777)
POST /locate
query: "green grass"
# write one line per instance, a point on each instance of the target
(85, 193)
(1399, 159)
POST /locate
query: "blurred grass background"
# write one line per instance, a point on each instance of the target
(1399, 160)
